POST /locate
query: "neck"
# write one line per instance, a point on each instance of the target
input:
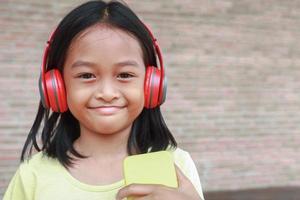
(99, 146)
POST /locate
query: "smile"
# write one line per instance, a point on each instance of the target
(107, 110)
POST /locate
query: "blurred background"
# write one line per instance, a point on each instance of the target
(233, 99)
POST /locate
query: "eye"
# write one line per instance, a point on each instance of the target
(125, 75)
(86, 76)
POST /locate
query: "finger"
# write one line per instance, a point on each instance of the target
(148, 197)
(135, 190)
(180, 176)
(185, 184)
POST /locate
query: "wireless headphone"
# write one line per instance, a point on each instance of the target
(53, 93)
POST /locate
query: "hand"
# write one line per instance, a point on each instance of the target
(185, 190)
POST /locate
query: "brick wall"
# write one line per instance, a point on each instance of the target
(233, 83)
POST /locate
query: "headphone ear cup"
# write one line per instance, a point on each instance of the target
(56, 91)
(152, 87)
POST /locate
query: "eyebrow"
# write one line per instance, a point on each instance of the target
(91, 64)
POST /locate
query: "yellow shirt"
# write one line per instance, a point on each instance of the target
(44, 178)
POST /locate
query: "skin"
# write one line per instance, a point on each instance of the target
(104, 137)
(104, 84)
(185, 190)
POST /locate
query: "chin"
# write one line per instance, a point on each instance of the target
(110, 129)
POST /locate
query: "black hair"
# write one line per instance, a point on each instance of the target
(60, 130)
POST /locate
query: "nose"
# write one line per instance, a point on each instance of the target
(107, 91)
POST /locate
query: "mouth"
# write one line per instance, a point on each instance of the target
(107, 110)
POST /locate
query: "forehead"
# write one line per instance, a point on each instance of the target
(104, 43)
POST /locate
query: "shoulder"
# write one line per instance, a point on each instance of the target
(36, 169)
(30, 164)
(24, 181)
(36, 164)
(35, 160)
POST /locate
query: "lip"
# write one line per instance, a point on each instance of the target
(107, 110)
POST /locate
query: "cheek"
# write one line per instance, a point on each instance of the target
(138, 94)
(76, 95)
(135, 96)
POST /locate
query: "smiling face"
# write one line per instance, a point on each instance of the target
(104, 79)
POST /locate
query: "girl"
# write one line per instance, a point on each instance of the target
(100, 98)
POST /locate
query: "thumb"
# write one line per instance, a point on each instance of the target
(185, 185)
(181, 178)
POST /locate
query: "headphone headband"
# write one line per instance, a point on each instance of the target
(53, 94)
(46, 52)
(157, 49)
(154, 40)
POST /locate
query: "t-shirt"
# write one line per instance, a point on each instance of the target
(44, 178)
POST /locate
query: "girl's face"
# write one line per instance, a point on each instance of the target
(104, 79)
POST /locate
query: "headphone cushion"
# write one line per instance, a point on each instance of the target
(56, 91)
(163, 91)
(152, 87)
(43, 94)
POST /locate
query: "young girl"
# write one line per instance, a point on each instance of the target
(101, 89)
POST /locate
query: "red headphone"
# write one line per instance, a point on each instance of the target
(53, 93)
